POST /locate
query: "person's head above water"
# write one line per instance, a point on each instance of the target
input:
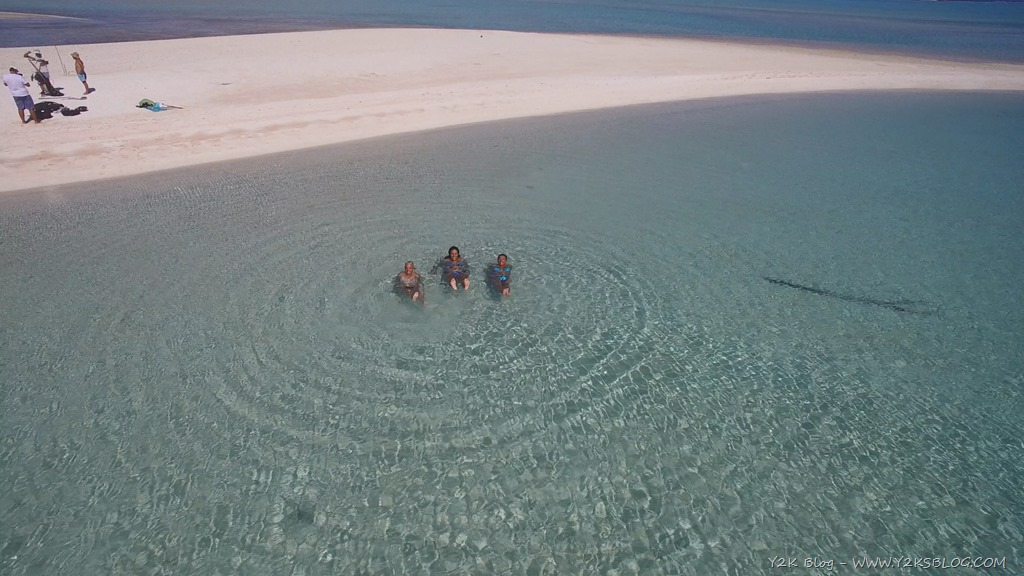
(502, 259)
(410, 267)
(453, 252)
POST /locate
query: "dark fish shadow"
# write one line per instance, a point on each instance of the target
(905, 306)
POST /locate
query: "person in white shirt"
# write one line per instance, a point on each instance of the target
(16, 83)
(42, 74)
(40, 64)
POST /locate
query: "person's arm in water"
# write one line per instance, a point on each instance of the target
(439, 265)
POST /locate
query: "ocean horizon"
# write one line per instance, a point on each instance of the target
(958, 30)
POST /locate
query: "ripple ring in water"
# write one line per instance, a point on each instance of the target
(326, 361)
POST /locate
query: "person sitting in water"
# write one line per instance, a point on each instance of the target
(499, 275)
(454, 269)
(410, 282)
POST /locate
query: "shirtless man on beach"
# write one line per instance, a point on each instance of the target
(80, 70)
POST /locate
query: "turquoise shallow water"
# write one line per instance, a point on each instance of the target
(204, 371)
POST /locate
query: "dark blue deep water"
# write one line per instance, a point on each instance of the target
(967, 30)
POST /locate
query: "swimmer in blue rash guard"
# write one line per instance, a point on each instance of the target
(454, 268)
(499, 275)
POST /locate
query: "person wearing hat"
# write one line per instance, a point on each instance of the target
(80, 70)
(16, 83)
(42, 66)
(42, 74)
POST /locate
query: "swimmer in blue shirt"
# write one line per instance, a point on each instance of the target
(499, 275)
(454, 268)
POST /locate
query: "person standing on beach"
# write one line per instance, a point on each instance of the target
(80, 70)
(16, 83)
(41, 65)
(42, 73)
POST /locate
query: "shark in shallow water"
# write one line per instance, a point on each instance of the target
(908, 306)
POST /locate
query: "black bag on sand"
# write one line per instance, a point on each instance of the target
(45, 110)
(50, 107)
(74, 112)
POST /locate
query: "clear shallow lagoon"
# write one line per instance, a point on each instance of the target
(204, 371)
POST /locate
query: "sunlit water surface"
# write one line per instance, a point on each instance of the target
(204, 371)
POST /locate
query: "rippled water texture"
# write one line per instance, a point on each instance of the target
(204, 371)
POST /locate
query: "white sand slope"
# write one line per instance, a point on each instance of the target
(257, 94)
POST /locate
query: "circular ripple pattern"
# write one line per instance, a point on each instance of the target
(313, 340)
(272, 321)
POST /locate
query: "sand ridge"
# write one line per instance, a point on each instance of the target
(258, 94)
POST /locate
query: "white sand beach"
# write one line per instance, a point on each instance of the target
(257, 94)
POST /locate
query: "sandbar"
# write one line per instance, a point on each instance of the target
(249, 95)
(33, 16)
